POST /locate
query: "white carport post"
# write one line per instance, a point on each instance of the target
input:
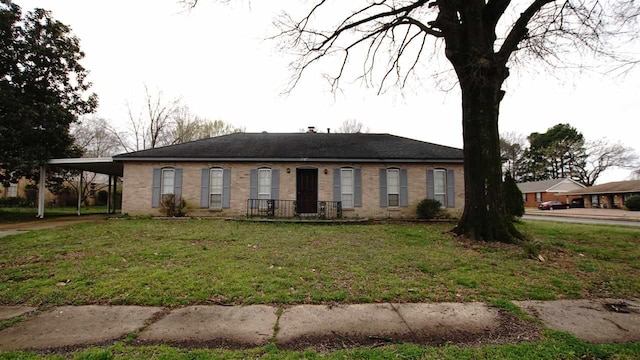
(41, 189)
(109, 196)
(80, 192)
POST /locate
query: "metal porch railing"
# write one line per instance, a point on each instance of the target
(275, 208)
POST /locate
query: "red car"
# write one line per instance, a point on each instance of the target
(552, 205)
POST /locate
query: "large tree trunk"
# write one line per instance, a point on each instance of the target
(484, 217)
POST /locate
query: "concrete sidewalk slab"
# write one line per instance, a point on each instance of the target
(332, 326)
(458, 322)
(214, 325)
(325, 327)
(593, 321)
(9, 312)
(71, 326)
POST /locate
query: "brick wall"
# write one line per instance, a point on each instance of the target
(548, 196)
(138, 176)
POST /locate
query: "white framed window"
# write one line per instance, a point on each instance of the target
(167, 184)
(440, 185)
(12, 190)
(524, 197)
(538, 197)
(393, 187)
(264, 186)
(346, 188)
(215, 188)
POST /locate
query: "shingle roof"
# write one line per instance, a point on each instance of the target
(617, 187)
(541, 186)
(300, 146)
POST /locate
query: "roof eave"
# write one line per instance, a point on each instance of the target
(605, 192)
(327, 160)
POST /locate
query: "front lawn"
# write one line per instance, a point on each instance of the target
(173, 263)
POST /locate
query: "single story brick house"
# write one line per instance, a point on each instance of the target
(611, 195)
(365, 175)
(535, 192)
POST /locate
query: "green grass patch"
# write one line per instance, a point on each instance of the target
(10, 322)
(554, 346)
(167, 263)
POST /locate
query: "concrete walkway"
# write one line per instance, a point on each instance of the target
(316, 326)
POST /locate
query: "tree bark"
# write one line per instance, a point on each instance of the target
(485, 216)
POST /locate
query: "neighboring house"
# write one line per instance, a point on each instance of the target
(610, 195)
(370, 175)
(535, 192)
(10, 191)
(20, 190)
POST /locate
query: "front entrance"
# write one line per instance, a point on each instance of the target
(307, 191)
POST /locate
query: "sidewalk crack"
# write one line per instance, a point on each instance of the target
(402, 318)
(276, 326)
(616, 324)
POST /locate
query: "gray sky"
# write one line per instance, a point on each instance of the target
(216, 59)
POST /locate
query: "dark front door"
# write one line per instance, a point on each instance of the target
(307, 190)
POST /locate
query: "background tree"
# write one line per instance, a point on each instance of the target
(602, 155)
(42, 88)
(555, 154)
(188, 127)
(512, 150)
(479, 38)
(561, 152)
(163, 122)
(151, 127)
(352, 126)
(92, 136)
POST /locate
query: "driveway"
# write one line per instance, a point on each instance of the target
(47, 223)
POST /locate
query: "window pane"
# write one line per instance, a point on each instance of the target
(393, 182)
(394, 200)
(264, 183)
(347, 201)
(346, 185)
(12, 190)
(439, 181)
(215, 201)
(440, 198)
(215, 182)
(167, 181)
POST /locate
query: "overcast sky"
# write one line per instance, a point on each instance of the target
(217, 60)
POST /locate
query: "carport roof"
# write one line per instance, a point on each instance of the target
(104, 165)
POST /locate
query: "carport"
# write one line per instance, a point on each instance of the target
(104, 165)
